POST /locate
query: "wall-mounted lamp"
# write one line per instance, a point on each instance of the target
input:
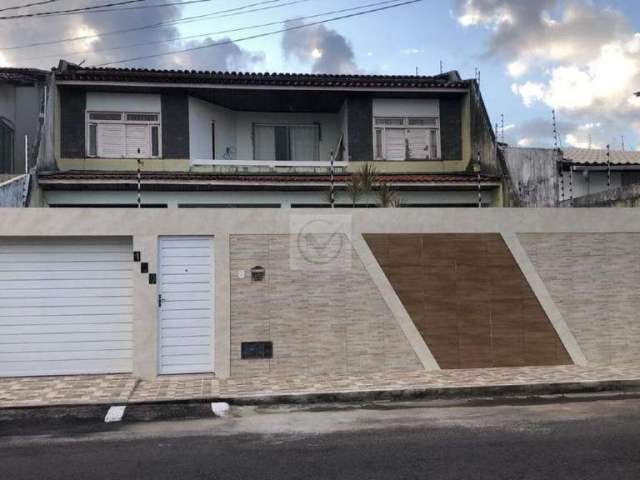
(257, 273)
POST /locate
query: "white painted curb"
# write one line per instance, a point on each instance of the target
(220, 409)
(114, 414)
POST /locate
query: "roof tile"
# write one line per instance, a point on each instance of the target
(73, 72)
(599, 156)
(187, 177)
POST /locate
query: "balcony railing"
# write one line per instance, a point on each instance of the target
(268, 163)
(338, 161)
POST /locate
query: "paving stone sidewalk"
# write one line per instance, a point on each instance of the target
(65, 390)
(122, 389)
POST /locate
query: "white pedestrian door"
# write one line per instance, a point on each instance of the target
(186, 306)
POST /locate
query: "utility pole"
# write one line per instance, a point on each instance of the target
(26, 154)
(332, 193)
(555, 129)
(477, 166)
(608, 166)
(139, 180)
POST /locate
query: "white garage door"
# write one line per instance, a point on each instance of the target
(66, 306)
(186, 304)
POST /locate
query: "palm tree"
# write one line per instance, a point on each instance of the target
(368, 177)
(387, 197)
(354, 188)
(362, 182)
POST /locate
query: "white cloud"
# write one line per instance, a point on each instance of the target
(573, 140)
(605, 82)
(327, 50)
(525, 142)
(517, 68)
(575, 56)
(589, 126)
(530, 92)
(86, 31)
(410, 51)
(475, 13)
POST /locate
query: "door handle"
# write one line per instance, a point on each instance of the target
(160, 300)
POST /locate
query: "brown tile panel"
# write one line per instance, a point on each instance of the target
(469, 300)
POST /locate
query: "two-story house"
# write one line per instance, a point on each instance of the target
(214, 139)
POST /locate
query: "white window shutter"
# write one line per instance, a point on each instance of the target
(111, 140)
(418, 143)
(138, 141)
(395, 146)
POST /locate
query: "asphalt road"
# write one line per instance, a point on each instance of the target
(528, 439)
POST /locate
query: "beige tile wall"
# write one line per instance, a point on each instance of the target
(322, 319)
(594, 279)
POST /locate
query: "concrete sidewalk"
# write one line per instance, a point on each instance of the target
(124, 389)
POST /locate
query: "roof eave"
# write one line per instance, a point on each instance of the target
(234, 86)
(127, 184)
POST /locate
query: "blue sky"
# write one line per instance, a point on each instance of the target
(581, 57)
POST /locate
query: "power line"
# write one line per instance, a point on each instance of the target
(119, 9)
(27, 5)
(52, 13)
(218, 32)
(260, 35)
(140, 7)
(218, 14)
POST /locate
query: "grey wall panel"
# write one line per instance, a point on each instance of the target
(175, 126)
(73, 105)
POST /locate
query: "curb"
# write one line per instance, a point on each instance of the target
(163, 408)
(444, 393)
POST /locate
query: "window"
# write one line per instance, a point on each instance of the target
(105, 116)
(93, 139)
(407, 138)
(107, 205)
(287, 142)
(6, 147)
(123, 135)
(155, 141)
(213, 140)
(229, 205)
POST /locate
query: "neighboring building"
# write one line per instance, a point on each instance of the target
(532, 180)
(544, 177)
(589, 171)
(22, 94)
(14, 190)
(246, 139)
